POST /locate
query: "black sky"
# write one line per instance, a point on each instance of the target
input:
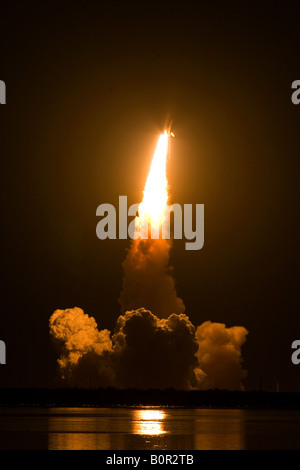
(90, 86)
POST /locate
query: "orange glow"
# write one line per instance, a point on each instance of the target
(155, 200)
(148, 422)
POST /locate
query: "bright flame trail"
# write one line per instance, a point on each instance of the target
(153, 207)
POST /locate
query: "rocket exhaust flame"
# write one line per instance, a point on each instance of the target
(147, 279)
(153, 206)
(153, 215)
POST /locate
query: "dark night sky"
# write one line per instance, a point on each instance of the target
(90, 86)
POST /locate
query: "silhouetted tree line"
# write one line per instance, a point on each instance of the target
(111, 397)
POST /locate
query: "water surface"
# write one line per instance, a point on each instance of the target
(148, 428)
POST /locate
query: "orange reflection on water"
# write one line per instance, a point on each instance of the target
(148, 422)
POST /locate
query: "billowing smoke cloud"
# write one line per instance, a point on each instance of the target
(154, 344)
(82, 347)
(147, 352)
(144, 352)
(153, 352)
(147, 279)
(219, 355)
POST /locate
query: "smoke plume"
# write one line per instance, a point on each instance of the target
(219, 355)
(147, 281)
(82, 347)
(154, 344)
(153, 352)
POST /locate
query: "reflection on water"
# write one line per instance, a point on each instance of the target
(78, 441)
(147, 428)
(148, 422)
